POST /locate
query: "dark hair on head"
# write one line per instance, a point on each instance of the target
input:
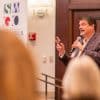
(90, 20)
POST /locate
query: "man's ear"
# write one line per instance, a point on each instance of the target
(94, 26)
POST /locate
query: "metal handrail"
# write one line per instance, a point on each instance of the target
(47, 82)
(56, 79)
(58, 86)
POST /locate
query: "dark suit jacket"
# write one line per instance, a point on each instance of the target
(92, 49)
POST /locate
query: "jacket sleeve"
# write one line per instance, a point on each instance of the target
(65, 59)
(95, 54)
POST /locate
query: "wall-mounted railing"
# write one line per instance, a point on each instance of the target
(46, 81)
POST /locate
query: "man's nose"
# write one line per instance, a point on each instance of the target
(80, 27)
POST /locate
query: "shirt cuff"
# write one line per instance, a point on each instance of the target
(62, 55)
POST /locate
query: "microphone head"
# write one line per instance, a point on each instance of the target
(80, 39)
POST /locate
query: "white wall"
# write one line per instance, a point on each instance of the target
(44, 45)
(13, 16)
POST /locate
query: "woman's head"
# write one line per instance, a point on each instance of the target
(82, 78)
(17, 69)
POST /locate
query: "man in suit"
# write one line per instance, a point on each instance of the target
(87, 44)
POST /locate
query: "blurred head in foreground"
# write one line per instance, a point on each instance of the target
(17, 69)
(81, 80)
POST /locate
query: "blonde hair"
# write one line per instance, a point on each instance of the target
(82, 78)
(17, 69)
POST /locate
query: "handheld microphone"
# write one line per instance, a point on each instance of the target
(80, 39)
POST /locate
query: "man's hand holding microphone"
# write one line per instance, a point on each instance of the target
(76, 46)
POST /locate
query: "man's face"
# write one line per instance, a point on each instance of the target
(85, 28)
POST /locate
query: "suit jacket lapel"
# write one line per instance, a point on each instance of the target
(89, 43)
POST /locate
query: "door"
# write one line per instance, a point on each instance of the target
(67, 17)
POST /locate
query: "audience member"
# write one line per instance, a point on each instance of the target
(81, 80)
(17, 69)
